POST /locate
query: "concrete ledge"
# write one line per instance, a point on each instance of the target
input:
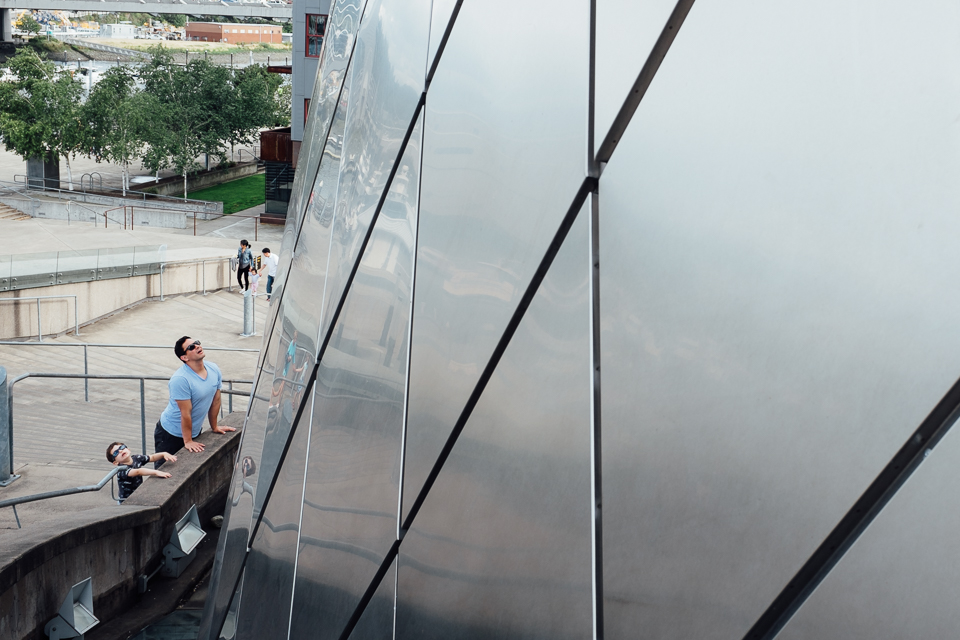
(99, 298)
(113, 545)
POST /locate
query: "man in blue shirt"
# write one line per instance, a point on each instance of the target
(194, 393)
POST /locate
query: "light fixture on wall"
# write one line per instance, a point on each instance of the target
(76, 614)
(182, 547)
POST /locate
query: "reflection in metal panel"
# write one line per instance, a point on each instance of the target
(386, 86)
(777, 239)
(291, 352)
(441, 15)
(501, 548)
(342, 27)
(626, 31)
(899, 580)
(353, 477)
(495, 187)
(377, 620)
(270, 565)
(229, 629)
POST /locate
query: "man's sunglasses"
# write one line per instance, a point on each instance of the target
(113, 456)
(193, 346)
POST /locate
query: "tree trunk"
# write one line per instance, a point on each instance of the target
(69, 172)
(184, 184)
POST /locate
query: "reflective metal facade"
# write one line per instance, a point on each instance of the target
(544, 363)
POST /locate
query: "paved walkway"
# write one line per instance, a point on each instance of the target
(59, 439)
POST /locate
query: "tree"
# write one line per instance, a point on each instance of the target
(39, 110)
(29, 24)
(113, 119)
(257, 104)
(176, 19)
(187, 112)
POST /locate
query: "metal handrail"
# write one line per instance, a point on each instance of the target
(86, 362)
(88, 376)
(13, 502)
(76, 316)
(25, 184)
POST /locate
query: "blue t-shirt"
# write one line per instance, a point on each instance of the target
(185, 384)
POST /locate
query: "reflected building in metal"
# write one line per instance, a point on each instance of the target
(611, 319)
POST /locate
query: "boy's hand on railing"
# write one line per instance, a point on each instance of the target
(162, 474)
(168, 457)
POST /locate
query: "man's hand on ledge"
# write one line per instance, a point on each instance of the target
(222, 430)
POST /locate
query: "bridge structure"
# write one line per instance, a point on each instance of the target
(245, 9)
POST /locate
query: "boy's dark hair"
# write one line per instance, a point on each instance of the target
(178, 347)
(244, 243)
(265, 250)
(110, 450)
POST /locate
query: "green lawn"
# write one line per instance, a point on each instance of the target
(236, 195)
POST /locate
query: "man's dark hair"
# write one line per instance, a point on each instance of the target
(266, 250)
(110, 450)
(244, 243)
(178, 347)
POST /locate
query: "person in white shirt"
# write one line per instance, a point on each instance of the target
(269, 265)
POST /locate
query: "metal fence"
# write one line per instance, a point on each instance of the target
(30, 270)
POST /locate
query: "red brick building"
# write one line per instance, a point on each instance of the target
(233, 33)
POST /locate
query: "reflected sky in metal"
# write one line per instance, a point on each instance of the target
(342, 27)
(626, 32)
(495, 187)
(440, 17)
(264, 611)
(777, 277)
(502, 546)
(387, 84)
(899, 580)
(353, 478)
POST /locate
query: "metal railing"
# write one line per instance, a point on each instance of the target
(22, 183)
(76, 315)
(229, 392)
(13, 502)
(32, 270)
(86, 361)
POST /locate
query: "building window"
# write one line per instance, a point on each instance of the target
(306, 109)
(315, 27)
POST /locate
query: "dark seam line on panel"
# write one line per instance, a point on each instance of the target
(343, 297)
(592, 94)
(301, 216)
(303, 500)
(588, 185)
(649, 70)
(443, 43)
(852, 525)
(218, 624)
(597, 425)
(413, 300)
(371, 590)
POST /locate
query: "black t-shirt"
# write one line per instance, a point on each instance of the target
(129, 484)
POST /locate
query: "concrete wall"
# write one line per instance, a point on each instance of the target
(113, 545)
(100, 298)
(68, 210)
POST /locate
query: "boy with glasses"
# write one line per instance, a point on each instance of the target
(129, 479)
(194, 394)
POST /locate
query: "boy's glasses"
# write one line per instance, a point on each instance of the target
(193, 346)
(113, 456)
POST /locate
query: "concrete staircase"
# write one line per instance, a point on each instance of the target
(9, 213)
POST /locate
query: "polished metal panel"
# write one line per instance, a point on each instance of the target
(899, 580)
(440, 17)
(502, 548)
(342, 27)
(290, 357)
(271, 561)
(353, 477)
(495, 187)
(376, 623)
(777, 250)
(229, 629)
(626, 32)
(387, 82)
